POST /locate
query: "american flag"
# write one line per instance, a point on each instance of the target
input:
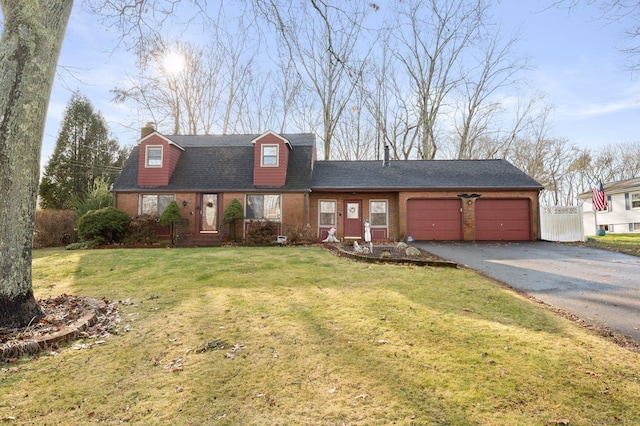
(599, 199)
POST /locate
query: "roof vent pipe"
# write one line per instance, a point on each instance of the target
(385, 163)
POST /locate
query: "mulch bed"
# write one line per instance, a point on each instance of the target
(66, 318)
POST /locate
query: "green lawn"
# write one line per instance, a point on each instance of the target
(624, 243)
(264, 336)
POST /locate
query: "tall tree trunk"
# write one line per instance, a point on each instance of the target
(31, 40)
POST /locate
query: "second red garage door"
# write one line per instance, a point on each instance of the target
(508, 220)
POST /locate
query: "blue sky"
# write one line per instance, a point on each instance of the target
(574, 56)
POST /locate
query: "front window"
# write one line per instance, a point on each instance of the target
(269, 155)
(155, 204)
(154, 156)
(263, 207)
(635, 200)
(328, 213)
(378, 213)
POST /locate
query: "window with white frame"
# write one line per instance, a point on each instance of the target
(155, 204)
(378, 213)
(269, 155)
(635, 200)
(328, 211)
(634, 226)
(153, 156)
(263, 206)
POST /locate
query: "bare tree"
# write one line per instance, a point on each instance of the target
(393, 113)
(547, 161)
(479, 104)
(432, 38)
(616, 11)
(205, 94)
(322, 42)
(355, 136)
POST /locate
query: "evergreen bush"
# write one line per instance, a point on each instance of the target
(232, 214)
(107, 223)
(171, 216)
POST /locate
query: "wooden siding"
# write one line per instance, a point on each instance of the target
(270, 176)
(157, 176)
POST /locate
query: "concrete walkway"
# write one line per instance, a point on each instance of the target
(599, 286)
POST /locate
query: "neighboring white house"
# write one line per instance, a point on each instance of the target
(622, 214)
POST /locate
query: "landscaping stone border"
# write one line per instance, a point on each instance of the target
(69, 333)
(398, 261)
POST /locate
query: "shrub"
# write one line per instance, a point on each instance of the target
(262, 233)
(232, 214)
(55, 228)
(143, 230)
(108, 223)
(297, 234)
(171, 216)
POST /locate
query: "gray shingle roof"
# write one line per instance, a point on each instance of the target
(218, 163)
(415, 174)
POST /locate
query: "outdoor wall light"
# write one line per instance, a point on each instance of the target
(184, 203)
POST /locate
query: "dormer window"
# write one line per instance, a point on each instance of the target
(154, 156)
(269, 156)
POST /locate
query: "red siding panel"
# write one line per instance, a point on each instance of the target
(434, 219)
(498, 219)
(157, 176)
(270, 176)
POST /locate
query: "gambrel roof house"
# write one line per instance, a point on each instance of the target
(278, 178)
(622, 214)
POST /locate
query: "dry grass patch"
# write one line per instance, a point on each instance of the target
(298, 336)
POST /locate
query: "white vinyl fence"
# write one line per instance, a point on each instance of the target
(561, 223)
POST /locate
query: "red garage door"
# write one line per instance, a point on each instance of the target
(503, 220)
(434, 219)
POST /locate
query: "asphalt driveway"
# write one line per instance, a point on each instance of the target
(599, 286)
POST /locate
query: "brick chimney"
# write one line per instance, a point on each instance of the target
(148, 128)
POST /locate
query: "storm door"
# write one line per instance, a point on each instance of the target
(209, 213)
(353, 219)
